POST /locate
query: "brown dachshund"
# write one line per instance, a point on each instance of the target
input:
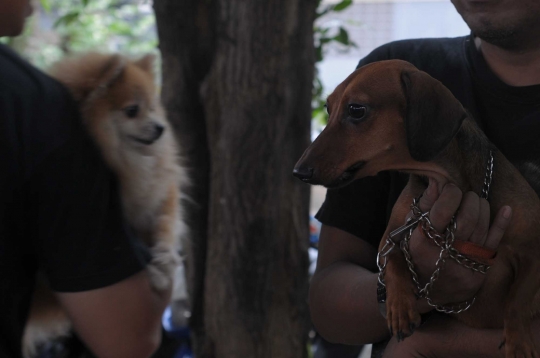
(390, 116)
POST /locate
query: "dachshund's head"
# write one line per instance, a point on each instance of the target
(387, 115)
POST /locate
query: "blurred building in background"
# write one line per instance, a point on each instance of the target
(372, 23)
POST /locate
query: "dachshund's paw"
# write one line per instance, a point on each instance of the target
(519, 346)
(402, 316)
(162, 266)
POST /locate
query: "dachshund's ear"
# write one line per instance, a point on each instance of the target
(433, 115)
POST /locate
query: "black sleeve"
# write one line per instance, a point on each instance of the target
(359, 208)
(79, 233)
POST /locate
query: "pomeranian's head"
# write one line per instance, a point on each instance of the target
(117, 97)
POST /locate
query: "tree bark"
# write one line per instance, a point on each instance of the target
(237, 85)
(186, 41)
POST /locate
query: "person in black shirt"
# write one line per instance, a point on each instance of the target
(495, 73)
(60, 213)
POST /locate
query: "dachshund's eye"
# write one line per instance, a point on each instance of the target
(357, 111)
(326, 107)
(132, 111)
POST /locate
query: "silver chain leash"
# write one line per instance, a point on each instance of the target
(390, 244)
(488, 177)
(443, 241)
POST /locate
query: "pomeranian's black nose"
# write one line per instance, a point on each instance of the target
(304, 174)
(158, 128)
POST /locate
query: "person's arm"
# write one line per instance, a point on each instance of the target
(342, 296)
(445, 337)
(91, 258)
(120, 320)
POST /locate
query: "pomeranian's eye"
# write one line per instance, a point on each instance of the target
(132, 111)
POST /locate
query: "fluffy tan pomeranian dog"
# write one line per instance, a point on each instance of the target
(122, 112)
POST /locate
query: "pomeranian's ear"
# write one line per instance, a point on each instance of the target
(110, 71)
(146, 63)
(85, 73)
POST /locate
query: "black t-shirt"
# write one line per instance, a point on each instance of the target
(59, 204)
(510, 117)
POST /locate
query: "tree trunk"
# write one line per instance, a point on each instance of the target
(186, 41)
(237, 86)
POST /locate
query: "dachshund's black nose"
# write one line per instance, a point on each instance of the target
(304, 174)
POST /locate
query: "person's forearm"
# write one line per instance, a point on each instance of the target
(446, 337)
(120, 320)
(161, 301)
(343, 305)
(463, 342)
(473, 342)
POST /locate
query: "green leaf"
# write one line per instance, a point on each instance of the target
(318, 92)
(325, 40)
(342, 36)
(342, 5)
(46, 5)
(85, 3)
(319, 116)
(67, 19)
(318, 54)
(120, 28)
(324, 11)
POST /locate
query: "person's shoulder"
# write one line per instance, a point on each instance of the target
(423, 53)
(20, 79)
(37, 107)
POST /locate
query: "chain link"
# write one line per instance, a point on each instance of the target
(408, 258)
(445, 242)
(488, 177)
(382, 256)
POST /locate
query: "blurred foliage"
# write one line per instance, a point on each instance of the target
(327, 35)
(62, 27)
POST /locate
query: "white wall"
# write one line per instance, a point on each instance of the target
(373, 23)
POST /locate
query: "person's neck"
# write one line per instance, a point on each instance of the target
(514, 67)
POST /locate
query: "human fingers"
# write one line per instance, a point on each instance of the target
(431, 194)
(499, 226)
(479, 234)
(445, 207)
(467, 216)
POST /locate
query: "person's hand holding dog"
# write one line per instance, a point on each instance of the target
(456, 283)
(438, 337)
